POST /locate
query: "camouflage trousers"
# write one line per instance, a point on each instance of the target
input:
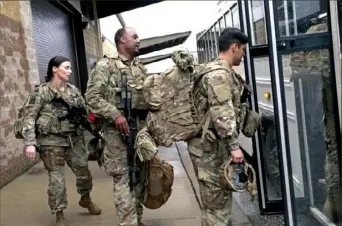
(216, 202)
(332, 173)
(54, 159)
(332, 177)
(128, 204)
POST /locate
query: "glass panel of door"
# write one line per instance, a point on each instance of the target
(268, 133)
(311, 134)
(267, 151)
(308, 92)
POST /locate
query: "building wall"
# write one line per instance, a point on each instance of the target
(18, 75)
(108, 47)
(90, 35)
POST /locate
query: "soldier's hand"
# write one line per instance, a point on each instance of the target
(30, 152)
(237, 155)
(122, 125)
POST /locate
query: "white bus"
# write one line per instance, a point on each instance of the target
(294, 53)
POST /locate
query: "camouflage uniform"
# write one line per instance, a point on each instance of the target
(58, 141)
(218, 92)
(103, 98)
(316, 62)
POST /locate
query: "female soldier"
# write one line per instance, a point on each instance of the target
(58, 139)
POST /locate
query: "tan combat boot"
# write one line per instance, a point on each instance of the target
(86, 202)
(60, 220)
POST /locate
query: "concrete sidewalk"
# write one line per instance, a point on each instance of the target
(24, 200)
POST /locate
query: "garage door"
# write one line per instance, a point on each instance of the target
(53, 35)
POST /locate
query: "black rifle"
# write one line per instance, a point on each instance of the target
(78, 116)
(126, 106)
(245, 93)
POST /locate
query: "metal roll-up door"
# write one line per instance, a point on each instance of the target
(53, 35)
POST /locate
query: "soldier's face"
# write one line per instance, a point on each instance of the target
(63, 72)
(239, 53)
(131, 41)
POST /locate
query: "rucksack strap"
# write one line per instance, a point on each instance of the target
(205, 121)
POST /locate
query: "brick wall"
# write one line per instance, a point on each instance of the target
(90, 44)
(108, 47)
(18, 75)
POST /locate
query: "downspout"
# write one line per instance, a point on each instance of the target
(98, 32)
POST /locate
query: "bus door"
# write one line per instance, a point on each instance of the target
(305, 107)
(258, 74)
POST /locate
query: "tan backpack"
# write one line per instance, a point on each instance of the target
(159, 183)
(22, 111)
(174, 117)
(170, 96)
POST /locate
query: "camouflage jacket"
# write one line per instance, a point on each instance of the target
(219, 92)
(41, 125)
(104, 86)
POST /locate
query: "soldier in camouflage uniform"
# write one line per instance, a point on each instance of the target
(311, 63)
(219, 92)
(59, 141)
(103, 98)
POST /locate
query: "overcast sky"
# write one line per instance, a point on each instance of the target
(165, 18)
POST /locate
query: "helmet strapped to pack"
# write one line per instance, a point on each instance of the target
(159, 174)
(160, 179)
(239, 177)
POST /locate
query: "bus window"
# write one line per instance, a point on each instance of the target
(258, 23)
(202, 45)
(210, 45)
(228, 18)
(217, 30)
(206, 47)
(199, 50)
(236, 19)
(217, 35)
(213, 43)
(222, 24)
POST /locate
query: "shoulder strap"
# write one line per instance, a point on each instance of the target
(205, 69)
(53, 89)
(37, 89)
(168, 71)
